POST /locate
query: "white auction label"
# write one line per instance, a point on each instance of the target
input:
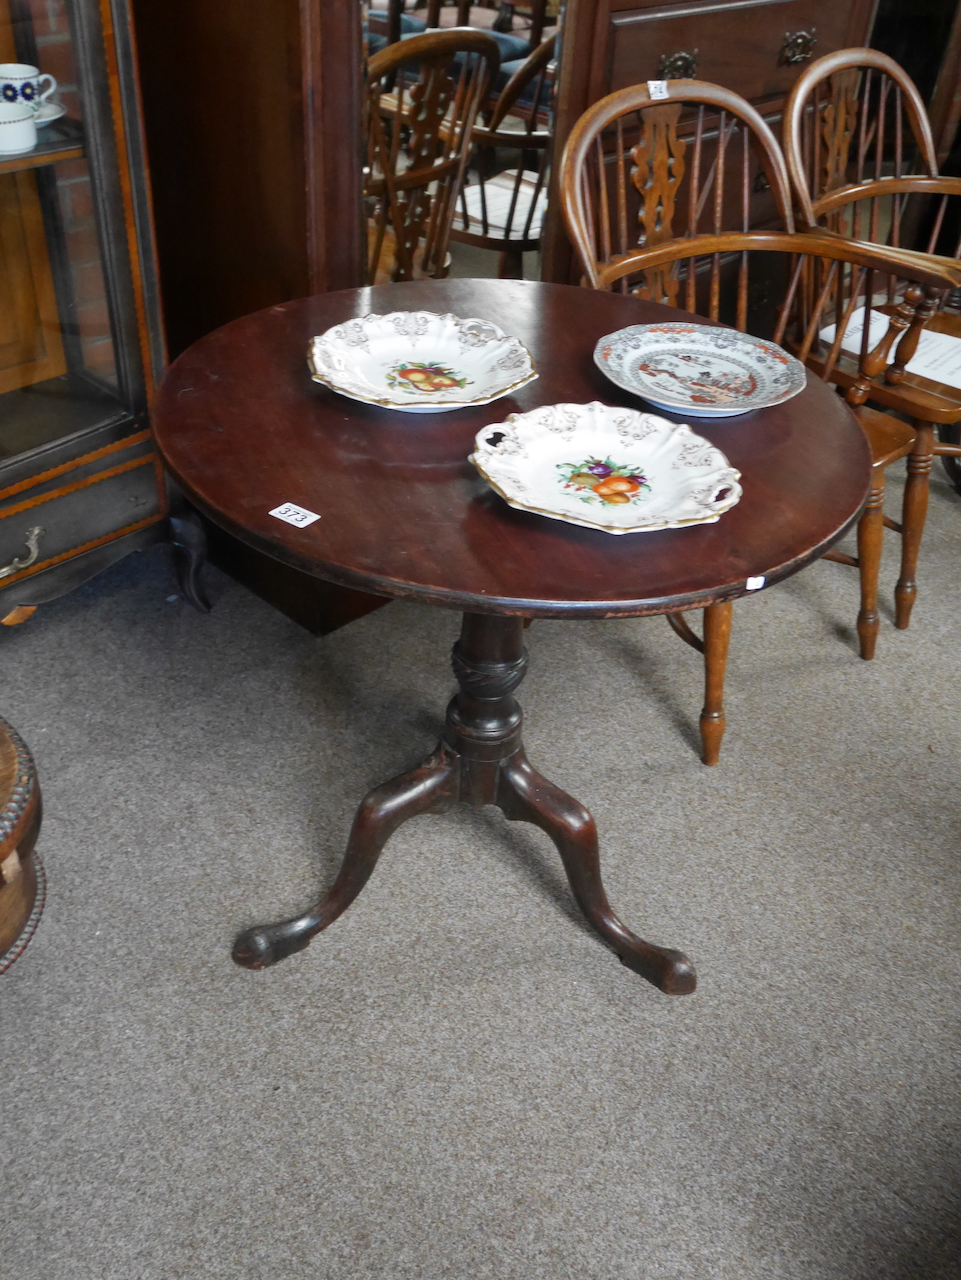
(658, 89)
(295, 515)
(755, 584)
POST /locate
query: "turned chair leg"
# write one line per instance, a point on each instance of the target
(870, 540)
(717, 637)
(912, 520)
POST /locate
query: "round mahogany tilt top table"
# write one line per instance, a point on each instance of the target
(244, 430)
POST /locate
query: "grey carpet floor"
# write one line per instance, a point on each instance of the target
(457, 1079)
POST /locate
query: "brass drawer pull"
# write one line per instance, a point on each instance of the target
(33, 546)
(678, 66)
(797, 47)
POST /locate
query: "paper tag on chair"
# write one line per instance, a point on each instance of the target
(658, 89)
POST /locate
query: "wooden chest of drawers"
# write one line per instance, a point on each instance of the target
(755, 47)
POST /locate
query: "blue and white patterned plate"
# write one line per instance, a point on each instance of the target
(699, 370)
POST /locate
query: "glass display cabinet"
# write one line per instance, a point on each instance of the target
(81, 483)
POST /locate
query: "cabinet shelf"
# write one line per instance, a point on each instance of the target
(59, 140)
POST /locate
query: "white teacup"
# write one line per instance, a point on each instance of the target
(20, 85)
(18, 127)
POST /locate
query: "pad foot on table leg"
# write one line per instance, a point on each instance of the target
(431, 787)
(525, 796)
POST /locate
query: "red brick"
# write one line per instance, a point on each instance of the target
(82, 245)
(55, 58)
(68, 169)
(93, 321)
(80, 198)
(48, 18)
(98, 356)
(70, 99)
(88, 283)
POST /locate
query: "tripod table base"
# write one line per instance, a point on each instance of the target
(480, 760)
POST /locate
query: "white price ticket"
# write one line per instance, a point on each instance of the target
(658, 89)
(295, 515)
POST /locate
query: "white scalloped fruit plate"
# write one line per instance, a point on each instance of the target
(618, 470)
(419, 362)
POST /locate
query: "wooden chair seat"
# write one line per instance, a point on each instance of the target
(889, 437)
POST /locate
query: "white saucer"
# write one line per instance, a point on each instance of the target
(49, 112)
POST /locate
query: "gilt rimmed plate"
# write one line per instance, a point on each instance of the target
(698, 370)
(420, 362)
(619, 470)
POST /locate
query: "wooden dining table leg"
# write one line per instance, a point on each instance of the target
(526, 796)
(914, 514)
(717, 638)
(427, 789)
(480, 760)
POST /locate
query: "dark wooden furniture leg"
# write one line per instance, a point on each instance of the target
(914, 514)
(187, 535)
(870, 542)
(714, 647)
(480, 760)
(717, 638)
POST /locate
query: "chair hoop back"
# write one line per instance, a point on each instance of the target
(844, 134)
(435, 44)
(524, 76)
(601, 234)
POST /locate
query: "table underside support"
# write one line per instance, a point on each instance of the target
(480, 760)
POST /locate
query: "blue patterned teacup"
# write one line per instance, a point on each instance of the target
(20, 85)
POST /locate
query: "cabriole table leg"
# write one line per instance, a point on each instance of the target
(479, 761)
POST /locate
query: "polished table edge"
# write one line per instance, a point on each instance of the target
(463, 601)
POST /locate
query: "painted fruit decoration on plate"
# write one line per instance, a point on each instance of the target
(416, 377)
(604, 481)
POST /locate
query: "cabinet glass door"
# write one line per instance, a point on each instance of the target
(58, 304)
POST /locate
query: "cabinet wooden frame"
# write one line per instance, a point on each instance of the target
(98, 484)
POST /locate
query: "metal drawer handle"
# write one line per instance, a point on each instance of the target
(33, 546)
(678, 66)
(798, 46)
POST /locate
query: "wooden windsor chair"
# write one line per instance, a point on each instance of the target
(504, 210)
(423, 97)
(646, 188)
(498, 16)
(862, 162)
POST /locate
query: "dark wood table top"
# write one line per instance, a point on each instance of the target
(244, 429)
